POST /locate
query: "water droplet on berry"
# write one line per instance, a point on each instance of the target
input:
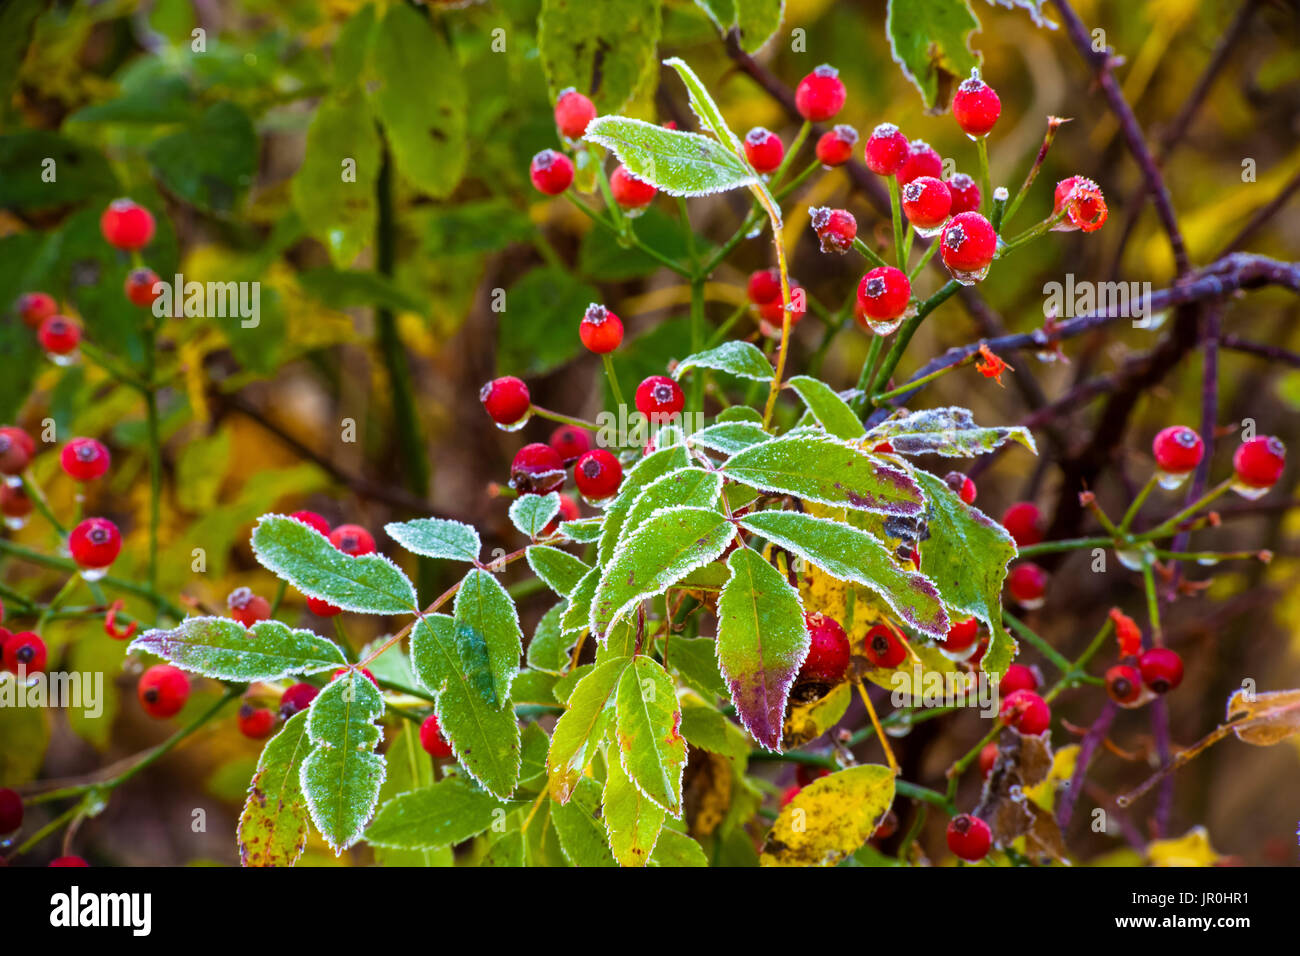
(1248, 492)
(927, 232)
(1132, 558)
(1170, 481)
(93, 574)
(515, 426)
(14, 481)
(884, 326)
(970, 278)
(15, 524)
(64, 360)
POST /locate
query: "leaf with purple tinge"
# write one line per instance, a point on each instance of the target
(762, 642)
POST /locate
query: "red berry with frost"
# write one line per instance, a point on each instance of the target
(968, 244)
(1162, 669)
(95, 543)
(1018, 677)
(1178, 450)
(820, 94)
(59, 335)
(919, 159)
(573, 112)
(14, 501)
(763, 149)
(295, 698)
(886, 150)
(432, 739)
(659, 398)
(1083, 204)
(551, 172)
(536, 470)
(568, 512)
(965, 193)
(25, 650)
(35, 307)
(835, 147)
(601, 330)
(322, 608)
(629, 190)
(84, 459)
(884, 293)
(11, 810)
(163, 690)
(570, 442)
(353, 539)
(1259, 462)
(256, 723)
(597, 474)
(139, 287)
(16, 450)
(312, 520)
(764, 286)
(1027, 583)
(883, 648)
(828, 651)
(1026, 712)
(127, 225)
(962, 635)
(835, 228)
(988, 757)
(962, 485)
(926, 202)
(969, 838)
(246, 607)
(1124, 684)
(506, 400)
(975, 106)
(1023, 522)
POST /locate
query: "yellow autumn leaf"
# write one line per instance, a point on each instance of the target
(1063, 764)
(830, 818)
(1191, 849)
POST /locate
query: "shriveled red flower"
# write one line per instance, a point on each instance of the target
(111, 627)
(1127, 632)
(991, 365)
(1083, 203)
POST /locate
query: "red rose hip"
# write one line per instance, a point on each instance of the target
(551, 172)
(835, 228)
(1017, 677)
(432, 739)
(1027, 583)
(835, 147)
(16, 450)
(601, 330)
(536, 470)
(1259, 463)
(828, 651)
(573, 112)
(659, 398)
(1162, 669)
(1024, 523)
(1124, 684)
(570, 442)
(919, 159)
(883, 297)
(246, 607)
(967, 247)
(975, 106)
(965, 193)
(59, 335)
(507, 402)
(883, 648)
(763, 149)
(127, 225)
(352, 539)
(312, 520)
(139, 287)
(296, 698)
(11, 810)
(256, 723)
(969, 838)
(1178, 450)
(631, 192)
(84, 459)
(35, 307)
(163, 690)
(926, 202)
(94, 543)
(764, 286)
(25, 651)
(597, 474)
(1026, 712)
(820, 94)
(886, 150)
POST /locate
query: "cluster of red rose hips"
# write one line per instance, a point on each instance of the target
(125, 225)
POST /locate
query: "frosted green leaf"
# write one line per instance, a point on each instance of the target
(451, 811)
(675, 162)
(437, 538)
(730, 437)
(487, 636)
(825, 470)
(578, 614)
(605, 50)
(541, 843)
(532, 513)
(669, 545)
(966, 555)
(710, 730)
(409, 768)
(581, 727)
(301, 555)
(273, 825)
(632, 820)
(534, 687)
(582, 530)
(831, 411)
(677, 849)
(646, 471)
(696, 660)
(579, 828)
(414, 81)
(560, 570)
(742, 359)
(342, 775)
(507, 850)
(564, 686)
(619, 642)
(549, 650)
(684, 488)
(222, 648)
(739, 413)
(951, 432)
(485, 738)
(535, 745)
(650, 746)
(858, 556)
(930, 41)
(761, 644)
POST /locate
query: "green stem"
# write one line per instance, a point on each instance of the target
(650, 251)
(1153, 600)
(721, 331)
(696, 403)
(925, 258)
(1065, 544)
(798, 181)
(896, 214)
(871, 255)
(795, 145)
(986, 191)
(1127, 521)
(1047, 650)
(562, 418)
(903, 389)
(615, 392)
(1170, 526)
(64, 564)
